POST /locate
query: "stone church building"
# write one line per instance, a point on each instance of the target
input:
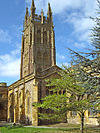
(38, 62)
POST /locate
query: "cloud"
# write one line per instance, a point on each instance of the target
(10, 64)
(76, 12)
(18, 30)
(61, 60)
(63, 64)
(79, 45)
(60, 57)
(16, 51)
(80, 19)
(64, 5)
(10, 69)
(57, 6)
(81, 24)
(5, 36)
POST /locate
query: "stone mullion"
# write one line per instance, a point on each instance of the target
(22, 50)
(35, 100)
(18, 106)
(48, 42)
(9, 103)
(52, 47)
(42, 35)
(54, 50)
(29, 51)
(48, 37)
(35, 51)
(23, 103)
(15, 109)
(35, 34)
(33, 48)
(32, 43)
(14, 115)
(24, 54)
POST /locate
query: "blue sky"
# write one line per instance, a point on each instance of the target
(72, 29)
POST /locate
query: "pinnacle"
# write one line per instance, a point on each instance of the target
(49, 7)
(27, 14)
(33, 5)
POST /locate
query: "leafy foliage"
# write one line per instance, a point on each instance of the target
(74, 98)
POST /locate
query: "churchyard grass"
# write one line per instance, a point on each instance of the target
(74, 129)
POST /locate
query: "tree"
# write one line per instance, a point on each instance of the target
(81, 106)
(87, 64)
(54, 107)
(72, 100)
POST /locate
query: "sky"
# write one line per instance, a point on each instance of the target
(72, 30)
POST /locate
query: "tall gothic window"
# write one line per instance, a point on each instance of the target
(46, 60)
(20, 99)
(39, 56)
(38, 36)
(15, 99)
(30, 37)
(28, 102)
(50, 37)
(45, 37)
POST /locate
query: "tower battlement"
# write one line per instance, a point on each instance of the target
(38, 18)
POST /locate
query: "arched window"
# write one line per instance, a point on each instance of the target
(28, 102)
(45, 37)
(64, 91)
(39, 36)
(47, 92)
(20, 99)
(39, 57)
(15, 99)
(46, 60)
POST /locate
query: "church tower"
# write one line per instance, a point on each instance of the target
(38, 42)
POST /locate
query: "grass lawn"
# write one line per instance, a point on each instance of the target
(69, 129)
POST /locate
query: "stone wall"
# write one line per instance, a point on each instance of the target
(3, 101)
(21, 96)
(88, 119)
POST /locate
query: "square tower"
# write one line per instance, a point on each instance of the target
(38, 42)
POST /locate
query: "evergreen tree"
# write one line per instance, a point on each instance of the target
(59, 104)
(87, 65)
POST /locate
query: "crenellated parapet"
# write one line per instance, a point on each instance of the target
(33, 17)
